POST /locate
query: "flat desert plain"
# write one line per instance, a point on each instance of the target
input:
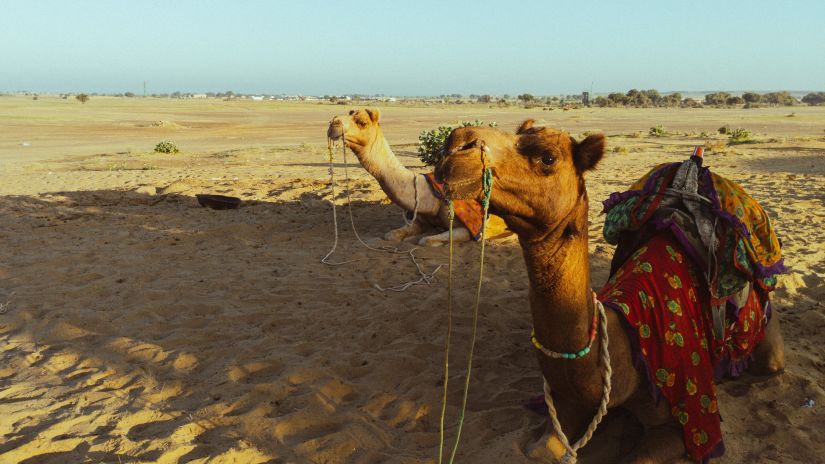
(136, 326)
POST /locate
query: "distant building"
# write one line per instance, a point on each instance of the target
(198, 95)
(257, 97)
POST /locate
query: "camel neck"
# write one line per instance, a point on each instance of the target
(395, 179)
(560, 292)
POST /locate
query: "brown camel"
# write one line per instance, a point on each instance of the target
(361, 132)
(539, 191)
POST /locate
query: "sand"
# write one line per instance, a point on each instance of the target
(136, 326)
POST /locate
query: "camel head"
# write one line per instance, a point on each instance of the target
(359, 129)
(538, 173)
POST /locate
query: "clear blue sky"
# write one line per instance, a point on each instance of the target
(411, 47)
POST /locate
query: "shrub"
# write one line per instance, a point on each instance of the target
(814, 98)
(82, 98)
(734, 100)
(724, 130)
(432, 141)
(658, 131)
(740, 136)
(166, 147)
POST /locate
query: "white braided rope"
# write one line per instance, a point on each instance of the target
(570, 455)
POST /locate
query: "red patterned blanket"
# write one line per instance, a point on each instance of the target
(660, 294)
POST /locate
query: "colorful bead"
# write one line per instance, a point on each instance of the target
(577, 354)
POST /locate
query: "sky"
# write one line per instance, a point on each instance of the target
(411, 47)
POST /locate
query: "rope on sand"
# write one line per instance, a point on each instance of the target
(424, 277)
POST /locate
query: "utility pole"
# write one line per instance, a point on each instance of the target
(144, 89)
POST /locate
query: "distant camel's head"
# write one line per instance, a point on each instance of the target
(538, 172)
(359, 128)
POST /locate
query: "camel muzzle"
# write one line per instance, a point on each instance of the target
(461, 169)
(336, 129)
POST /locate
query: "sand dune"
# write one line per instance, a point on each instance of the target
(137, 326)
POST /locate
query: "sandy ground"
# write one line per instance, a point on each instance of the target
(136, 326)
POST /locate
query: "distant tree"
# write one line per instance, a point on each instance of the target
(128, 95)
(601, 102)
(673, 99)
(526, 97)
(814, 98)
(718, 98)
(82, 98)
(617, 99)
(734, 100)
(690, 103)
(751, 97)
(484, 98)
(637, 98)
(653, 97)
(779, 98)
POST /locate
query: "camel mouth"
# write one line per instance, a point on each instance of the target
(463, 189)
(460, 172)
(335, 130)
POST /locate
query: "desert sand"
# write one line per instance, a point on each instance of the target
(136, 326)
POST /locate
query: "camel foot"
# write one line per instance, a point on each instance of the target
(397, 235)
(547, 448)
(769, 356)
(460, 234)
(661, 444)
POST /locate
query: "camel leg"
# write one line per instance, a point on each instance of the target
(460, 234)
(661, 444)
(769, 356)
(573, 420)
(397, 235)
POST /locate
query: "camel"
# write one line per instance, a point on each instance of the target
(361, 132)
(539, 191)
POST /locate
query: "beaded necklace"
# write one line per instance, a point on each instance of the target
(576, 354)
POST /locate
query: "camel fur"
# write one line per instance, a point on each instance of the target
(361, 132)
(539, 191)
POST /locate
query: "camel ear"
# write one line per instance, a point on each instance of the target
(524, 126)
(588, 152)
(375, 115)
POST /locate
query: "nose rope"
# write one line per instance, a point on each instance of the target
(487, 188)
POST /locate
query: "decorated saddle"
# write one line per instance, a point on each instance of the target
(695, 262)
(468, 212)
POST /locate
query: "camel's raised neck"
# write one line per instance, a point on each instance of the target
(396, 180)
(561, 300)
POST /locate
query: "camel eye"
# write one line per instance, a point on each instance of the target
(547, 160)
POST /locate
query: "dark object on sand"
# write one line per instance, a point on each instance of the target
(218, 201)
